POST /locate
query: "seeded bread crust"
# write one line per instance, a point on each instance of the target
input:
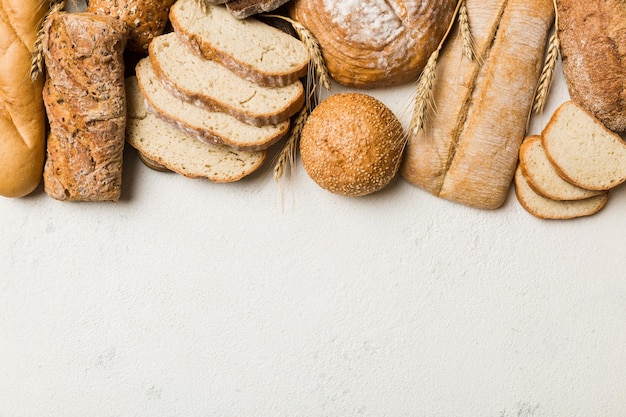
(85, 101)
(215, 34)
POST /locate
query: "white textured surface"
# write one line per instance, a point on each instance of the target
(195, 299)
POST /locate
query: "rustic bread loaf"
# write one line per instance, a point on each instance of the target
(86, 105)
(351, 144)
(206, 82)
(252, 49)
(374, 43)
(243, 9)
(22, 114)
(172, 148)
(593, 50)
(546, 208)
(145, 18)
(207, 126)
(583, 150)
(468, 149)
(543, 177)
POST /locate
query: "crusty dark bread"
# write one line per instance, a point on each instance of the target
(22, 115)
(593, 49)
(242, 9)
(85, 101)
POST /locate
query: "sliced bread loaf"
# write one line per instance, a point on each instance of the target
(207, 126)
(583, 150)
(542, 176)
(546, 208)
(252, 49)
(208, 83)
(172, 148)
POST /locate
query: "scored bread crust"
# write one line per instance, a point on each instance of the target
(22, 113)
(202, 32)
(546, 208)
(85, 102)
(468, 149)
(375, 43)
(593, 51)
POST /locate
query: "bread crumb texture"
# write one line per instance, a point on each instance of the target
(352, 144)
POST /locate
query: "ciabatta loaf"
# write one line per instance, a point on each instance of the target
(546, 208)
(172, 148)
(593, 50)
(22, 114)
(543, 177)
(252, 49)
(206, 82)
(468, 149)
(583, 150)
(85, 101)
(207, 126)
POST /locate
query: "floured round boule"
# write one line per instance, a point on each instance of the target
(352, 144)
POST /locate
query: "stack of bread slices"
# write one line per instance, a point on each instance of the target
(568, 170)
(213, 95)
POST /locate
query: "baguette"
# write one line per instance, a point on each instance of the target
(85, 101)
(468, 149)
(22, 113)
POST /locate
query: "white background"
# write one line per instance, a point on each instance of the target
(188, 298)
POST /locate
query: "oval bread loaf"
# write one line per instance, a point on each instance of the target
(374, 43)
(351, 144)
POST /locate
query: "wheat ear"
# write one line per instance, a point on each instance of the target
(427, 77)
(203, 5)
(547, 73)
(36, 57)
(466, 33)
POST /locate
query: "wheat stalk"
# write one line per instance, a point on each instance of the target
(547, 73)
(427, 77)
(36, 57)
(287, 155)
(466, 33)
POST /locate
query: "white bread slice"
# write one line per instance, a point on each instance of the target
(207, 126)
(208, 83)
(174, 149)
(583, 150)
(252, 49)
(542, 176)
(546, 208)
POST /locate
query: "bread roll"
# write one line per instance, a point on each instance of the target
(468, 149)
(86, 104)
(593, 49)
(22, 114)
(145, 18)
(351, 144)
(373, 43)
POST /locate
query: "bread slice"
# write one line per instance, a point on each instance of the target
(207, 126)
(542, 176)
(546, 208)
(208, 83)
(583, 150)
(172, 148)
(252, 49)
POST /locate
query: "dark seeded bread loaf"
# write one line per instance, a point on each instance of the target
(85, 101)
